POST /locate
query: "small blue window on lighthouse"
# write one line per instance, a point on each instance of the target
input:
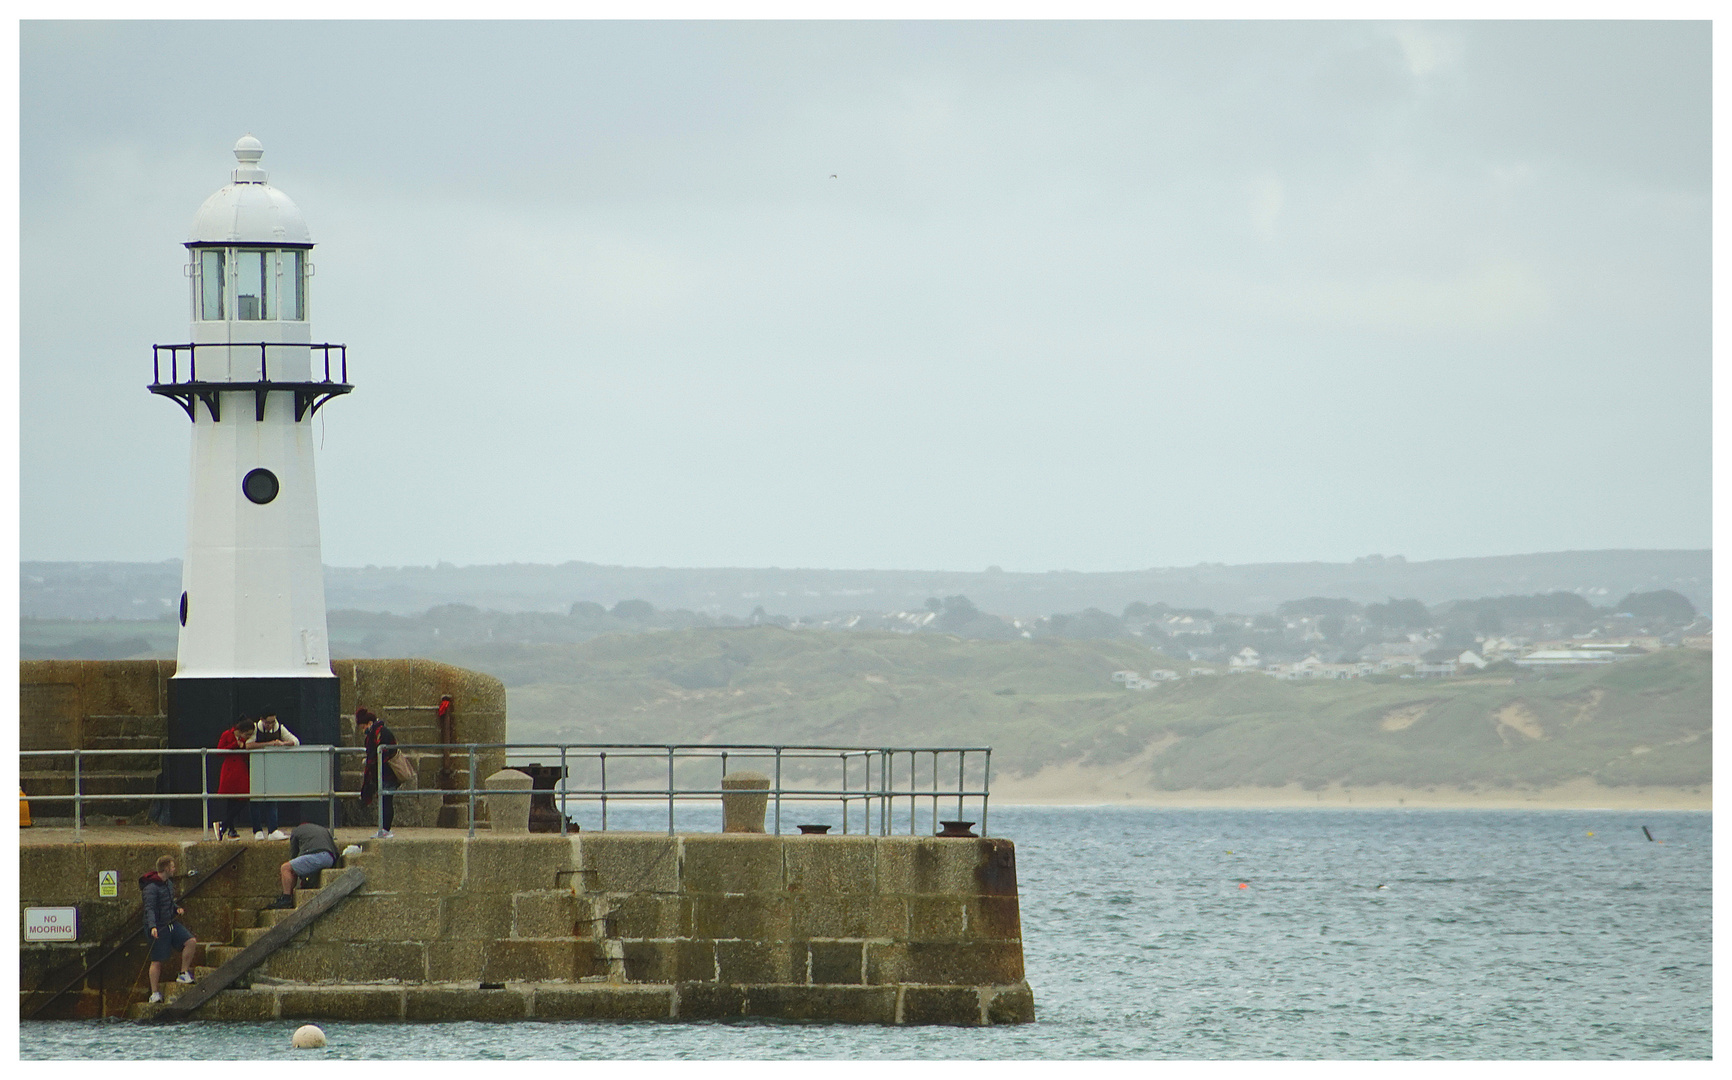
(260, 486)
(210, 284)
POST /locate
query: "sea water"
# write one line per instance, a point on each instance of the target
(1157, 933)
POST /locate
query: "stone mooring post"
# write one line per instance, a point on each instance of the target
(746, 799)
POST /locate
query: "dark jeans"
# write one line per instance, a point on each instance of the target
(389, 804)
(264, 815)
(237, 810)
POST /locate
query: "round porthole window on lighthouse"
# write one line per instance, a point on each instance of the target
(260, 486)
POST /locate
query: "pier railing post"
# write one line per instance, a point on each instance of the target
(204, 790)
(604, 791)
(778, 791)
(77, 796)
(961, 757)
(563, 830)
(985, 790)
(670, 791)
(913, 770)
(886, 785)
(471, 790)
(934, 791)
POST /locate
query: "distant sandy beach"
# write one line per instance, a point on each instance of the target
(1074, 785)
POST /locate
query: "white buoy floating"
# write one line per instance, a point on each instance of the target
(308, 1037)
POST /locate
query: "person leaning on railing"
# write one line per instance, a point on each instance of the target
(264, 811)
(375, 735)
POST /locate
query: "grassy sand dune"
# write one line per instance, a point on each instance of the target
(1062, 732)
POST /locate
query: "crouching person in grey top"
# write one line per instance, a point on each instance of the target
(162, 918)
(311, 848)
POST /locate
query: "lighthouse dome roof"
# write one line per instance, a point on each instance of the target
(248, 210)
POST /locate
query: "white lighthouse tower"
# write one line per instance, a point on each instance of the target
(252, 605)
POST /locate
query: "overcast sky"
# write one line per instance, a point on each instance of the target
(1082, 296)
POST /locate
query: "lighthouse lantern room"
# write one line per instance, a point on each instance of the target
(252, 602)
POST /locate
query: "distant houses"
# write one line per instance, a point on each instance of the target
(1565, 658)
(1406, 659)
(1133, 680)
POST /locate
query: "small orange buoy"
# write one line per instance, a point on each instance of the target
(1243, 885)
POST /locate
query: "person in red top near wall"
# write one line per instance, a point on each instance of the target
(234, 780)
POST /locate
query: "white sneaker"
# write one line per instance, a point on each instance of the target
(156, 997)
(384, 834)
(259, 834)
(183, 977)
(278, 835)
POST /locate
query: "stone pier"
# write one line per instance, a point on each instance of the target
(621, 926)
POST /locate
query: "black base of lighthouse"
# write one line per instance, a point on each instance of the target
(200, 710)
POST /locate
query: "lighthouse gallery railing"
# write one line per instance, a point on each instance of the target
(873, 790)
(309, 393)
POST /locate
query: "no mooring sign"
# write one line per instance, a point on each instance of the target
(50, 924)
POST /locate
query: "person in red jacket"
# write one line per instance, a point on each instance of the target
(234, 780)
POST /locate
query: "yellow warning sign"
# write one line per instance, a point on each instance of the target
(108, 883)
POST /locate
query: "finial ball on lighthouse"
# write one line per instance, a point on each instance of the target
(248, 210)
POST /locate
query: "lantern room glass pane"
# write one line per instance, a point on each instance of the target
(210, 285)
(250, 283)
(291, 290)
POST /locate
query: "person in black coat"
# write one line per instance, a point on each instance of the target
(381, 747)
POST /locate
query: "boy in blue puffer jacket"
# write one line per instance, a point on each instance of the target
(162, 919)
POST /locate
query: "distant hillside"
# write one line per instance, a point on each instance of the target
(1049, 704)
(62, 590)
(1045, 703)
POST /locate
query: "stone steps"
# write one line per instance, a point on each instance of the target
(219, 955)
(250, 924)
(144, 1010)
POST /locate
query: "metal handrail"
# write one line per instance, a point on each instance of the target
(880, 793)
(264, 347)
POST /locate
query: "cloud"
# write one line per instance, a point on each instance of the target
(1428, 49)
(1491, 297)
(1268, 196)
